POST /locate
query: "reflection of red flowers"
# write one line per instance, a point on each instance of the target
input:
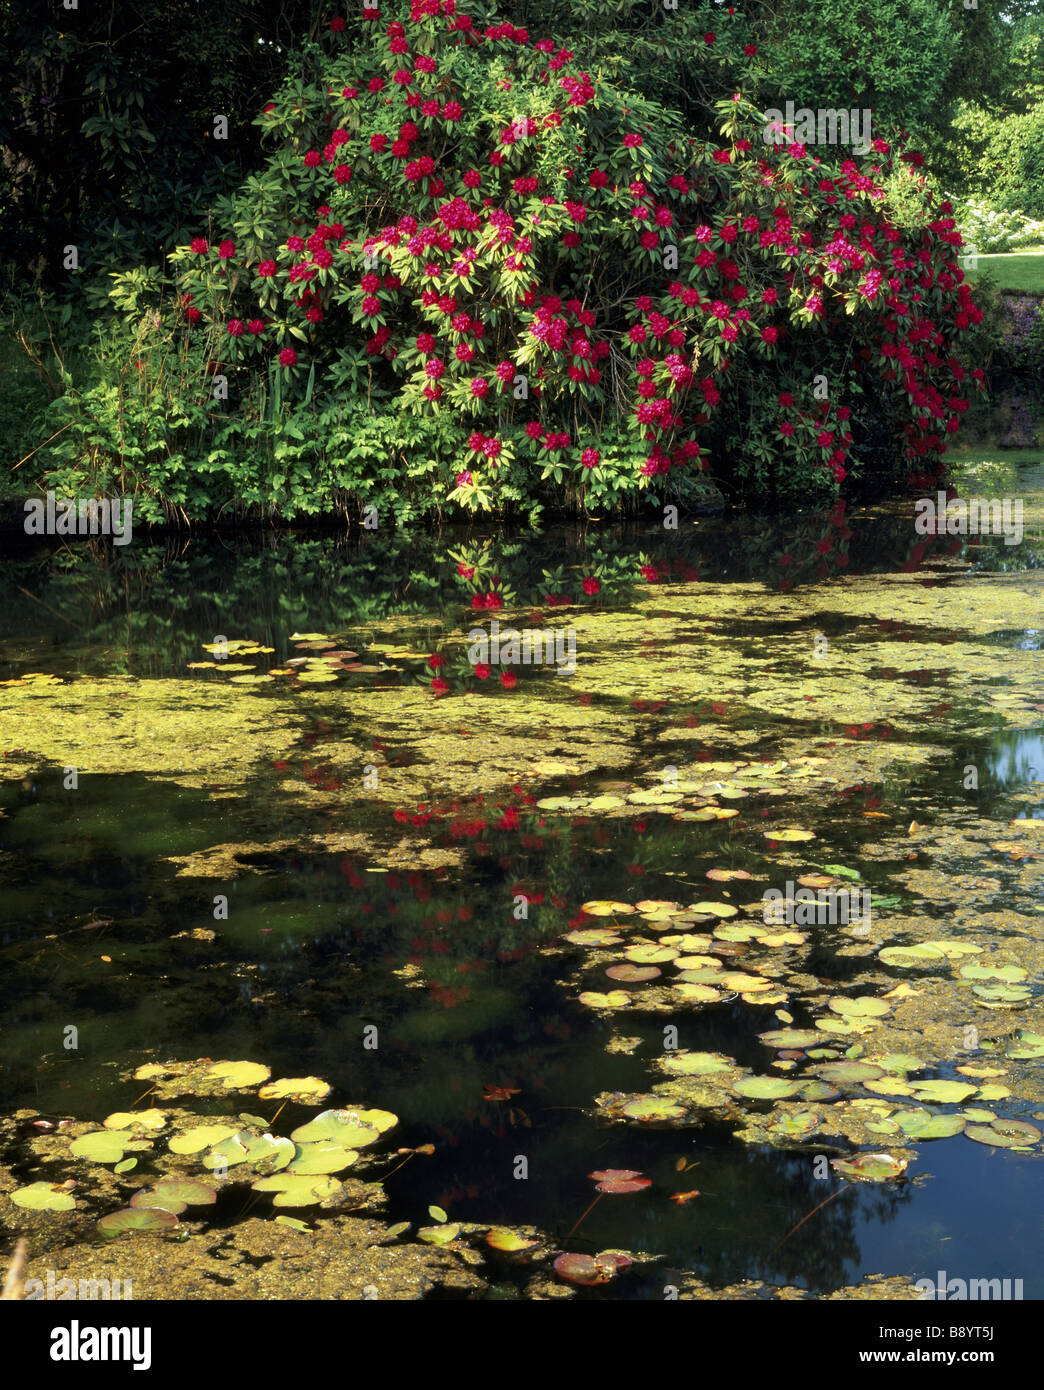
(508, 680)
(439, 686)
(591, 585)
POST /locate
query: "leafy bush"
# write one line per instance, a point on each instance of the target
(477, 269)
(990, 229)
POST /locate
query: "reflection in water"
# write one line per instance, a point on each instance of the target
(439, 918)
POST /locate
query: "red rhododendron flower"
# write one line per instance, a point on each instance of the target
(287, 357)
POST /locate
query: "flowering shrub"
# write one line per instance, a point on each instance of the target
(990, 229)
(467, 219)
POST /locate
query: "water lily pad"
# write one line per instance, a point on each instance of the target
(1005, 1134)
(871, 1167)
(862, 1007)
(124, 1119)
(585, 1269)
(175, 1194)
(100, 1146)
(1009, 974)
(43, 1196)
(766, 1087)
(725, 875)
(307, 1089)
(294, 1223)
(322, 1157)
(239, 1075)
(791, 1037)
(264, 1151)
(819, 1090)
(789, 837)
(651, 1108)
(911, 956)
(200, 1137)
(510, 1242)
(696, 1063)
(743, 983)
(848, 1073)
(696, 993)
(593, 937)
(900, 1061)
(618, 1180)
(794, 1124)
(649, 955)
(714, 909)
(137, 1219)
(604, 907)
(614, 999)
(942, 1092)
(1001, 996)
(439, 1235)
(922, 1124)
(346, 1128)
(633, 974)
(297, 1189)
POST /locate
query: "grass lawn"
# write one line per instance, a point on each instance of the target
(1018, 271)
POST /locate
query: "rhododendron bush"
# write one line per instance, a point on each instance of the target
(467, 222)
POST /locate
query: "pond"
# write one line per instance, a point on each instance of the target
(244, 816)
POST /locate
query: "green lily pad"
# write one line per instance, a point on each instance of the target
(1001, 996)
(100, 1146)
(819, 1090)
(910, 956)
(256, 1149)
(297, 1189)
(511, 1242)
(766, 1087)
(900, 1061)
(614, 999)
(696, 993)
(347, 1128)
(696, 1063)
(307, 1089)
(634, 974)
(942, 1092)
(138, 1219)
(649, 955)
(294, 1223)
(651, 1108)
(1027, 1047)
(200, 1137)
(322, 1157)
(439, 1235)
(1005, 1134)
(793, 1124)
(862, 1007)
(125, 1165)
(871, 1167)
(922, 1124)
(237, 1076)
(43, 1196)
(848, 1073)
(175, 1194)
(593, 936)
(1009, 974)
(125, 1119)
(791, 1038)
